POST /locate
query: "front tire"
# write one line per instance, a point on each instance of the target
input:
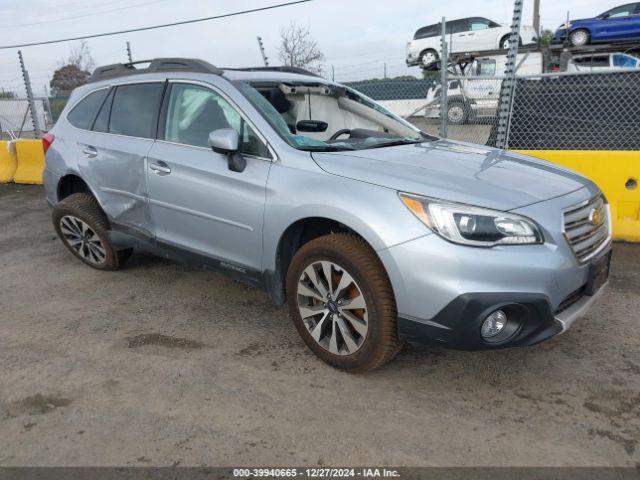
(504, 42)
(83, 228)
(342, 304)
(457, 113)
(579, 38)
(428, 57)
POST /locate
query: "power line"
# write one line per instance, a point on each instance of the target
(154, 27)
(64, 19)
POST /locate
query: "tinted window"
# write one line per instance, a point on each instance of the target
(134, 110)
(456, 26)
(430, 31)
(195, 111)
(83, 114)
(102, 120)
(594, 61)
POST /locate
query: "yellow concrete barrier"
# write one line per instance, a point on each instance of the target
(617, 173)
(8, 162)
(30, 155)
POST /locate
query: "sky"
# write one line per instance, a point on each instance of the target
(357, 37)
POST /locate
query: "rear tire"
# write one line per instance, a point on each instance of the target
(355, 327)
(83, 228)
(579, 38)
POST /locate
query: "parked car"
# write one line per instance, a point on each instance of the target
(475, 95)
(599, 62)
(372, 231)
(465, 35)
(615, 25)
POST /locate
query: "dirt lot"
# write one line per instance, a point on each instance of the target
(160, 364)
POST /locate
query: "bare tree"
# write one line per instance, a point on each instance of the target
(80, 57)
(298, 49)
(74, 71)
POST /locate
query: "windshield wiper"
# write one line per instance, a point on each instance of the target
(394, 143)
(327, 148)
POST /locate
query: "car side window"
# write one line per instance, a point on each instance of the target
(624, 61)
(135, 108)
(479, 24)
(194, 112)
(102, 120)
(623, 11)
(457, 26)
(486, 67)
(426, 32)
(84, 113)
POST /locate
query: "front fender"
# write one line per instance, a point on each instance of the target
(376, 213)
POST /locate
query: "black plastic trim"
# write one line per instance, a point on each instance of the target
(458, 324)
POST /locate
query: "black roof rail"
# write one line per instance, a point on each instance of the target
(155, 65)
(298, 70)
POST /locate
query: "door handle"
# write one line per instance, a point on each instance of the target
(160, 168)
(89, 152)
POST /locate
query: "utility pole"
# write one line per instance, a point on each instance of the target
(536, 16)
(444, 84)
(32, 103)
(265, 59)
(129, 52)
(333, 73)
(385, 70)
(509, 82)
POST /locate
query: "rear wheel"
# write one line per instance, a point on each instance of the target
(342, 303)
(504, 43)
(578, 38)
(83, 228)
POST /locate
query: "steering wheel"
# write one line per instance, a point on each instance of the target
(340, 132)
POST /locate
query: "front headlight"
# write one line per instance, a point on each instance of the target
(470, 225)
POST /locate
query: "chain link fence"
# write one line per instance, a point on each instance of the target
(16, 119)
(551, 111)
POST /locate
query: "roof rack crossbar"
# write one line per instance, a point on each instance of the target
(155, 65)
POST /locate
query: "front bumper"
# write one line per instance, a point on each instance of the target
(444, 291)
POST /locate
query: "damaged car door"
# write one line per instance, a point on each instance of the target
(113, 154)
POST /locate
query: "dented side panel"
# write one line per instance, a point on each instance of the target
(116, 166)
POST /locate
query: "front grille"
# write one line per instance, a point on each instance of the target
(583, 232)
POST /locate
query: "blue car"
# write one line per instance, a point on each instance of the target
(618, 24)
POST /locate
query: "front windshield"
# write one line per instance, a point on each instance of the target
(322, 117)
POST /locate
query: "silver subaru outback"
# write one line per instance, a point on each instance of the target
(373, 232)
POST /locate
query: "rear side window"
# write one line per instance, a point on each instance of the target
(624, 61)
(102, 120)
(135, 109)
(425, 32)
(83, 114)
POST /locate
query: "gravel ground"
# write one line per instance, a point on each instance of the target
(160, 364)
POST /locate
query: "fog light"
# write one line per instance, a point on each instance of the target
(493, 324)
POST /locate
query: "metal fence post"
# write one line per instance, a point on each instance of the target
(32, 104)
(444, 90)
(507, 91)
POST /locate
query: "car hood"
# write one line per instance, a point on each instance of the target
(457, 172)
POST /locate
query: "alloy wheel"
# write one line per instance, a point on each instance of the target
(579, 38)
(428, 58)
(332, 307)
(82, 239)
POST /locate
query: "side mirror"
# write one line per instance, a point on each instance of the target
(311, 126)
(225, 141)
(604, 16)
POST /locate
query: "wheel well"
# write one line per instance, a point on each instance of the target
(70, 184)
(429, 50)
(299, 233)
